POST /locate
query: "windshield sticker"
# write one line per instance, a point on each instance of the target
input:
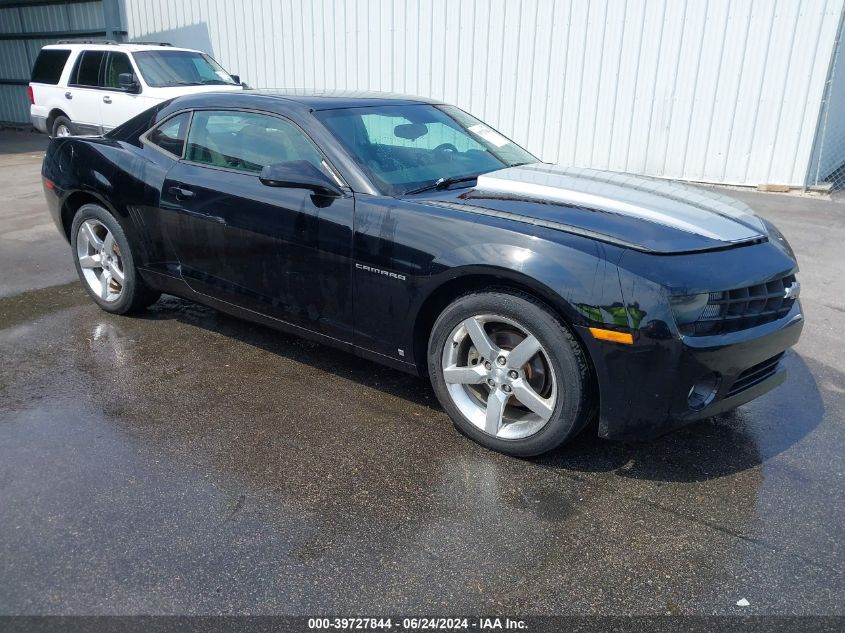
(488, 134)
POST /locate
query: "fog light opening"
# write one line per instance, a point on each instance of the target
(703, 391)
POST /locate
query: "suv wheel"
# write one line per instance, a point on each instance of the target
(105, 263)
(62, 126)
(509, 373)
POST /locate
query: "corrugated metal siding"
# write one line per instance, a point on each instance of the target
(13, 101)
(18, 55)
(44, 18)
(703, 90)
(10, 21)
(85, 16)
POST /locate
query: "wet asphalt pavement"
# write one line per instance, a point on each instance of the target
(186, 462)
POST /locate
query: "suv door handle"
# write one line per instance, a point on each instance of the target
(68, 95)
(107, 99)
(180, 193)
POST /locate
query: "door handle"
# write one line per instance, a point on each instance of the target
(180, 193)
(107, 99)
(68, 95)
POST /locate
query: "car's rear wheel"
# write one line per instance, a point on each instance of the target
(105, 262)
(509, 373)
(62, 126)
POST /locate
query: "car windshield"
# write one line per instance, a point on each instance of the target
(405, 148)
(181, 68)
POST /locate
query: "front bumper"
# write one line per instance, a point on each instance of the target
(644, 388)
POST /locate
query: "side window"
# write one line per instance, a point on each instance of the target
(247, 141)
(117, 64)
(170, 135)
(87, 71)
(49, 65)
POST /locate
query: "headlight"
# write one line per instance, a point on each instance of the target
(776, 237)
(689, 308)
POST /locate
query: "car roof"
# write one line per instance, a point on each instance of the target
(337, 99)
(295, 100)
(124, 46)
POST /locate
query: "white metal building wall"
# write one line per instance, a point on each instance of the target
(704, 90)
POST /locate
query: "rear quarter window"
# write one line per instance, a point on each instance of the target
(49, 66)
(170, 135)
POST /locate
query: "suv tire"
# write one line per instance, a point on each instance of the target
(62, 126)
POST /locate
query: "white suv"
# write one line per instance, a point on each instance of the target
(91, 87)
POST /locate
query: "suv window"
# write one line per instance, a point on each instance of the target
(87, 71)
(180, 68)
(116, 65)
(247, 141)
(49, 66)
(170, 135)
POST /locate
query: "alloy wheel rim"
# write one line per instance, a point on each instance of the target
(63, 130)
(499, 376)
(100, 260)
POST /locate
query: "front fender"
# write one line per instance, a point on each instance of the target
(582, 285)
(411, 258)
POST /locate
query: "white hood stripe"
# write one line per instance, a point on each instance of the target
(582, 188)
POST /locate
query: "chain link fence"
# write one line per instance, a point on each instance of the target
(827, 167)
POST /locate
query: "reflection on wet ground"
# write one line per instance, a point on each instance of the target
(184, 461)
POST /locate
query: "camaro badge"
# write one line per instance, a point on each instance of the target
(379, 271)
(792, 291)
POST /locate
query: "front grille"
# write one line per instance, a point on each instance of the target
(742, 308)
(755, 375)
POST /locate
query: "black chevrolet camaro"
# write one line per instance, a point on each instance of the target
(535, 296)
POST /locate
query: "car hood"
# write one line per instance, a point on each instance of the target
(644, 213)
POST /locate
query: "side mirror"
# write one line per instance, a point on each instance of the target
(299, 174)
(127, 82)
(238, 81)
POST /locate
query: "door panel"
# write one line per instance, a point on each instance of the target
(83, 96)
(83, 108)
(283, 252)
(117, 105)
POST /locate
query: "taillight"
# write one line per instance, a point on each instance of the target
(31, 96)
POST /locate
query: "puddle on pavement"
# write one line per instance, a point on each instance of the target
(29, 306)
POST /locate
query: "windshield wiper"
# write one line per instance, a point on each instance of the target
(441, 183)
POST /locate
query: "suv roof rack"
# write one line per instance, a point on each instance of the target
(113, 42)
(86, 42)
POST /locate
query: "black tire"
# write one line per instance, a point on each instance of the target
(59, 121)
(135, 294)
(573, 408)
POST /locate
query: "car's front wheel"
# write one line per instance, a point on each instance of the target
(509, 373)
(105, 262)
